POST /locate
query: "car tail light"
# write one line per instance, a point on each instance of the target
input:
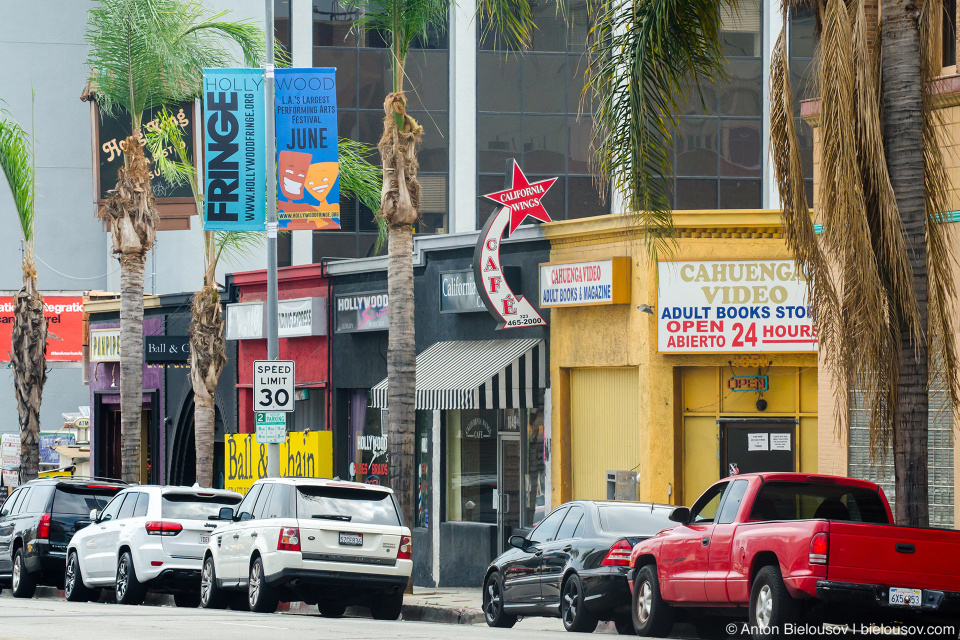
(818, 548)
(406, 549)
(43, 530)
(289, 539)
(162, 528)
(619, 555)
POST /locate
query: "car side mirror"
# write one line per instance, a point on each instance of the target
(680, 514)
(518, 542)
(226, 513)
(94, 515)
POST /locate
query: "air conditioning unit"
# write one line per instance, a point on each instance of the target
(622, 485)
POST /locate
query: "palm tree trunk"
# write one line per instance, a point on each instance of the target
(29, 361)
(402, 370)
(133, 218)
(399, 206)
(903, 139)
(131, 363)
(207, 358)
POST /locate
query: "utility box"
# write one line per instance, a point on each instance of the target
(622, 485)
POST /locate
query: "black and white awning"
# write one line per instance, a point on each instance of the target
(482, 374)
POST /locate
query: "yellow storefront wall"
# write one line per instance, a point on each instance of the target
(599, 425)
(304, 455)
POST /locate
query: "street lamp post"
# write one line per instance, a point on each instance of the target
(273, 340)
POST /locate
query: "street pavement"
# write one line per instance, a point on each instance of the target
(48, 619)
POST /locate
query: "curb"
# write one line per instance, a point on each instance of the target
(445, 615)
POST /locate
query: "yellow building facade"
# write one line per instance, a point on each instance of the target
(621, 402)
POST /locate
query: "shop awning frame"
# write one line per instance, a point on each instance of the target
(476, 374)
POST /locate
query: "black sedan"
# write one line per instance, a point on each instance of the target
(572, 566)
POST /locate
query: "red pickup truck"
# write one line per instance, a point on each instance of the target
(789, 550)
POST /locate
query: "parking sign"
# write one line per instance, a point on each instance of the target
(273, 385)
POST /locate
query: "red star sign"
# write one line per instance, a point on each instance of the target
(523, 198)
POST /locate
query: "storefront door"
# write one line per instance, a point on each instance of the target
(755, 446)
(508, 488)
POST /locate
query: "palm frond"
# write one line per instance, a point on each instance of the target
(16, 158)
(238, 245)
(170, 153)
(642, 59)
(509, 20)
(402, 22)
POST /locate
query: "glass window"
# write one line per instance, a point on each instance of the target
(143, 503)
(129, 504)
(332, 22)
(110, 511)
(546, 531)
(187, 506)
(262, 500)
(578, 532)
(39, 497)
(814, 500)
(79, 500)
(570, 523)
(21, 502)
(634, 520)
(705, 508)
(368, 440)
(696, 194)
(342, 504)
(731, 504)
(245, 510)
(10, 503)
(535, 471)
(472, 465)
(281, 22)
(424, 424)
(281, 502)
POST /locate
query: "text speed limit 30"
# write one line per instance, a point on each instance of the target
(273, 382)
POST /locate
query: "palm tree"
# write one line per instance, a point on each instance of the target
(208, 352)
(28, 353)
(143, 54)
(881, 292)
(402, 22)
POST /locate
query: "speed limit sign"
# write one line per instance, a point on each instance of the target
(273, 385)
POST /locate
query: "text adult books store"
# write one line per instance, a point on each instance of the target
(482, 434)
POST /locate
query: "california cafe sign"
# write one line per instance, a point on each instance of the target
(520, 199)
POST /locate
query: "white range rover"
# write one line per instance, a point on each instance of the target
(325, 542)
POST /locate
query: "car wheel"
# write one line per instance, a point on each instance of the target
(23, 585)
(211, 596)
(187, 599)
(262, 597)
(388, 607)
(493, 603)
(772, 607)
(651, 615)
(129, 589)
(573, 610)
(73, 588)
(331, 609)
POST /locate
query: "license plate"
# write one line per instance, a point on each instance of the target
(204, 539)
(351, 539)
(905, 597)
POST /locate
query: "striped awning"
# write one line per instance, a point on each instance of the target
(482, 374)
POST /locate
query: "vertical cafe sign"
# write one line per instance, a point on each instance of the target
(234, 138)
(308, 189)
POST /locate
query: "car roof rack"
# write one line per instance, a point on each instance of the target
(94, 479)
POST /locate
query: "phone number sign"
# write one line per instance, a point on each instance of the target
(273, 383)
(733, 305)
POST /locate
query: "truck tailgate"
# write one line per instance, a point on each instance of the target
(894, 556)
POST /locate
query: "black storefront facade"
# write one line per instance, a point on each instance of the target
(168, 432)
(482, 434)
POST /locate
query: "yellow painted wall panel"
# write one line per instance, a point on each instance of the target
(604, 427)
(701, 464)
(808, 445)
(700, 389)
(809, 384)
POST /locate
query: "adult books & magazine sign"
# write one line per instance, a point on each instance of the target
(716, 306)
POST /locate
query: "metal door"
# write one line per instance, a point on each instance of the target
(508, 488)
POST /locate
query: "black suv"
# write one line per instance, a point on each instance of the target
(36, 523)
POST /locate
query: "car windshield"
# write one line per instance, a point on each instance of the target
(815, 500)
(80, 500)
(344, 504)
(190, 506)
(634, 521)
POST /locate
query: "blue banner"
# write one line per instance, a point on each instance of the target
(308, 189)
(235, 197)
